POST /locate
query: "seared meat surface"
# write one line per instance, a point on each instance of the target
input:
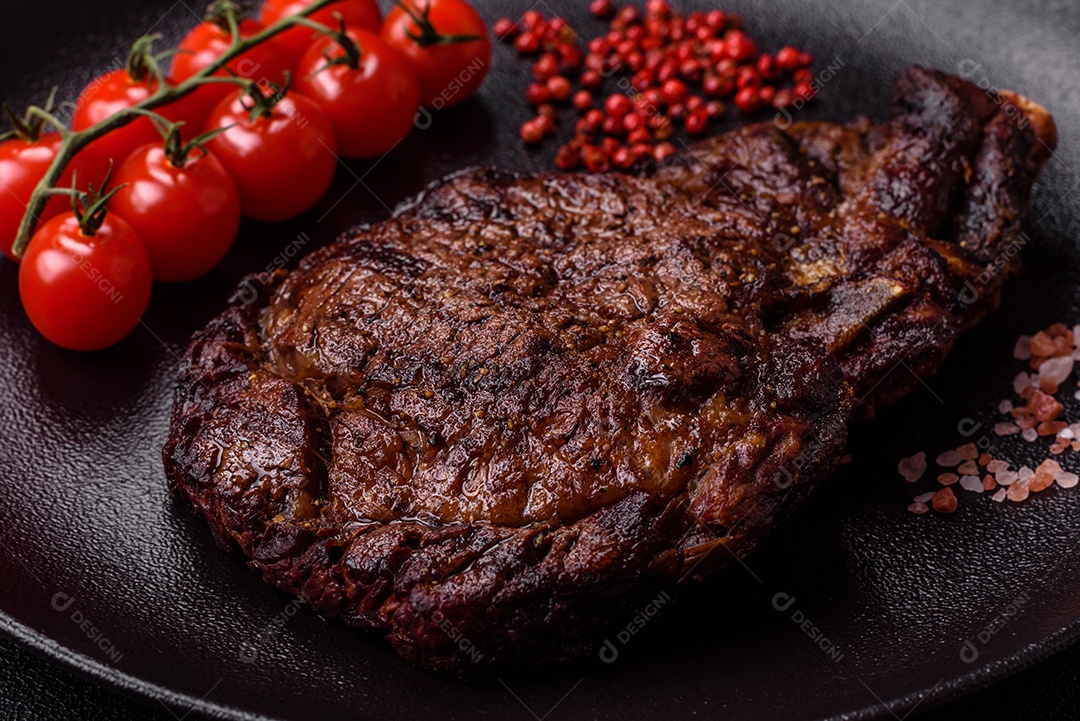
(500, 423)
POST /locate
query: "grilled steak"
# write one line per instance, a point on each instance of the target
(498, 424)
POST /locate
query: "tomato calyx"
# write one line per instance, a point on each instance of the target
(30, 127)
(352, 52)
(428, 35)
(227, 15)
(90, 206)
(176, 150)
(142, 64)
(260, 102)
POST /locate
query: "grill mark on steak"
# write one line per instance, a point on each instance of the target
(528, 404)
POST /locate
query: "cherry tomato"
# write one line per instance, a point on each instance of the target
(450, 67)
(187, 216)
(205, 44)
(372, 106)
(85, 292)
(115, 91)
(22, 166)
(363, 14)
(281, 164)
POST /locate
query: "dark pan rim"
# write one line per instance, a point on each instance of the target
(925, 698)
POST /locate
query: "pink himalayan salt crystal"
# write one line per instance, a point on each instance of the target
(968, 451)
(1018, 491)
(1022, 349)
(944, 501)
(1005, 407)
(1030, 434)
(948, 459)
(924, 497)
(1021, 382)
(1006, 429)
(912, 469)
(1006, 478)
(918, 508)
(1050, 466)
(999, 496)
(972, 483)
(1040, 482)
(1056, 371)
(948, 479)
(968, 468)
(997, 465)
(1025, 473)
(1068, 480)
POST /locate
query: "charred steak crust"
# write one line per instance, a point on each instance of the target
(498, 424)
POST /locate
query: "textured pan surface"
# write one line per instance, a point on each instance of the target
(85, 512)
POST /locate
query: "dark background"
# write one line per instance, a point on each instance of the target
(1030, 46)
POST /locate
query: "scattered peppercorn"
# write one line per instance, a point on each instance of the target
(660, 59)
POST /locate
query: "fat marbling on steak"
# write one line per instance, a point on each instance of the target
(499, 424)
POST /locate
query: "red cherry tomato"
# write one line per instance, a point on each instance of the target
(85, 292)
(281, 164)
(187, 217)
(450, 68)
(372, 106)
(205, 44)
(115, 91)
(23, 165)
(363, 14)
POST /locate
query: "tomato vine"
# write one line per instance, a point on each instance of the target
(73, 142)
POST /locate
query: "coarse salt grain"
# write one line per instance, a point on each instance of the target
(985, 458)
(1005, 407)
(1006, 478)
(997, 465)
(972, 483)
(1018, 491)
(1022, 349)
(1056, 370)
(923, 497)
(999, 496)
(1050, 428)
(968, 468)
(1050, 466)
(913, 468)
(968, 451)
(918, 508)
(1067, 480)
(1029, 434)
(1022, 381)
(1025, 473)
(1041, 482)
(948, 459)
(1006, 429)
(944, 501)
(1066, 434)
(948, 479)
(989, 483)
